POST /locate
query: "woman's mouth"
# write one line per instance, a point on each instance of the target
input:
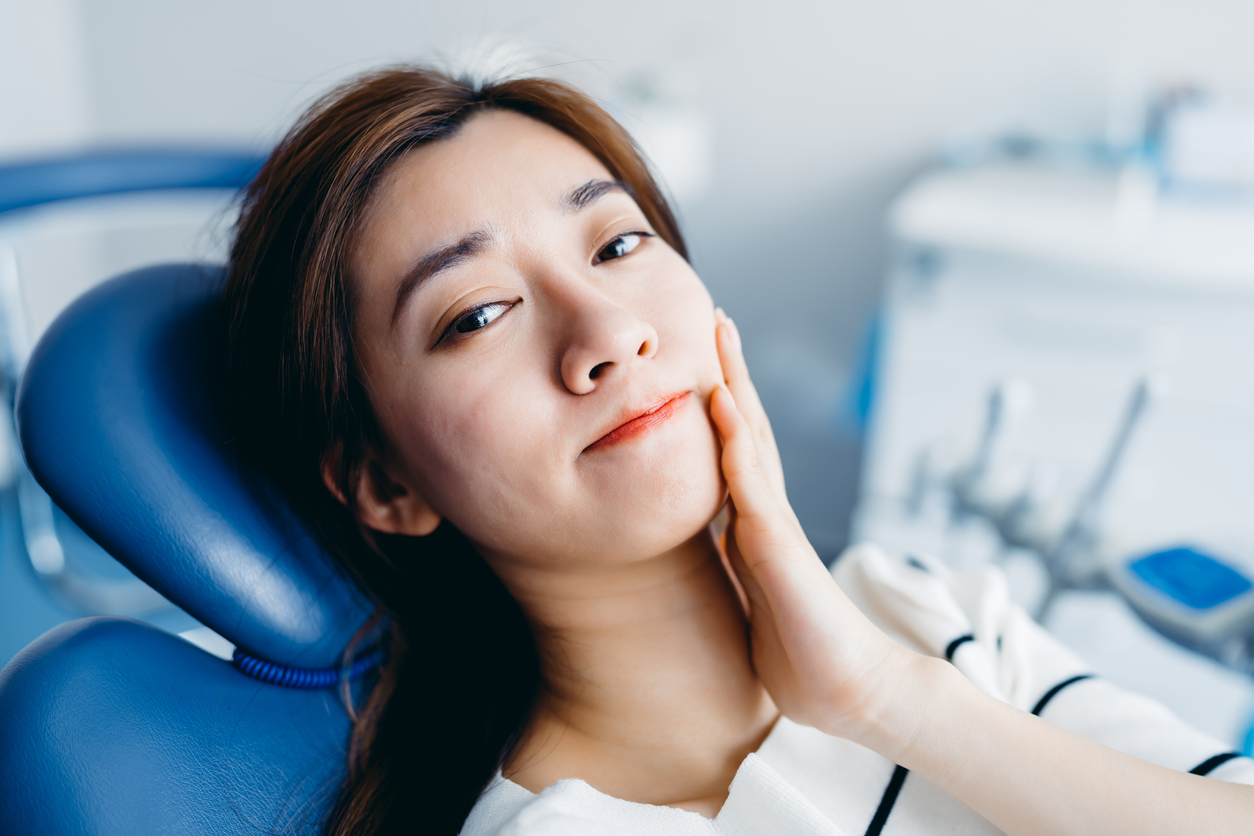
(642, 423)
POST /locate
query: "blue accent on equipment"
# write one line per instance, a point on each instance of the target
(1195, 580)
(869, 371)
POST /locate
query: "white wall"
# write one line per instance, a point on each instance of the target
(820, 113)
(43, 77)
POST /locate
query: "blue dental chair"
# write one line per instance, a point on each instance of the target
(107, 725)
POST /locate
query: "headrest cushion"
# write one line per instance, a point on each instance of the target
(119, 417)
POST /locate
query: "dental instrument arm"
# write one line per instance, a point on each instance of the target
(973, 487)
(1008, 403)
(1081, 532)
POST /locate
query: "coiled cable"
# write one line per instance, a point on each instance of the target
(308, 678)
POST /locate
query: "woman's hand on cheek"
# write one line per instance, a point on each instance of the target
(822, 661)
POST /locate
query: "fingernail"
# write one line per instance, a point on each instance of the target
(720, 314)
(735, 332)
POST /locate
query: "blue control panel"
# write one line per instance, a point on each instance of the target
(1194, 579)
(1191, 595)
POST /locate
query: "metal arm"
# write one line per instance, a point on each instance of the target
(1070, 562)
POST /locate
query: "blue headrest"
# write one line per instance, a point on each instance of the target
(119, 417)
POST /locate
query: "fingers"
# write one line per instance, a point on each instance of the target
(750, 492)
(735, 371)
(728, 554)
(746, 584)
(736, 376)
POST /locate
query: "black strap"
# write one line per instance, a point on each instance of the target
(1053, 692)
(1210, 764)
(887, 801)
(955, 644)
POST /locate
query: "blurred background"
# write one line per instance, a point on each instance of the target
(993, 263)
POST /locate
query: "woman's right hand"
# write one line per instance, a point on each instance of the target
(822, 661)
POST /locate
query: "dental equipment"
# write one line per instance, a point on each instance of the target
(1078, 282)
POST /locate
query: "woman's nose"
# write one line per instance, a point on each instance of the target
(603, 342)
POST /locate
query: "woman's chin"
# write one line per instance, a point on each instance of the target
(667, 511)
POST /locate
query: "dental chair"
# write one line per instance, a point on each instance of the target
(107, 725)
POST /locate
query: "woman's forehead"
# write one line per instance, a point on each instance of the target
(499, 163)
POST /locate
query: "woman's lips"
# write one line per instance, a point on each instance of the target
(641, 424)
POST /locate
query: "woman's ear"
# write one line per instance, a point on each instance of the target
(330, 469)
(383, 503)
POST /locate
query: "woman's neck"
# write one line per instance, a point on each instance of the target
(649, 692)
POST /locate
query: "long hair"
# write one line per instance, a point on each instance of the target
(463, 671)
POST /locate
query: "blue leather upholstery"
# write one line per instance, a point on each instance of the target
(117, 418)
(110, 727)
(113, 728)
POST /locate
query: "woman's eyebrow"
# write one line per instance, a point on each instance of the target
(580, 196)
(435, 261)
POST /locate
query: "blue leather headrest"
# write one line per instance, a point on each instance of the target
(118, 414)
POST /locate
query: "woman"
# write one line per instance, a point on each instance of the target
(464, 337)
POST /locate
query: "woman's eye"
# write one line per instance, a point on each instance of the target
(620, 246)
(479, 318)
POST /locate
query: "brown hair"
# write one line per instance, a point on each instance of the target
(462, 674)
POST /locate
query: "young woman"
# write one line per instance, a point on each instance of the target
(464, 338)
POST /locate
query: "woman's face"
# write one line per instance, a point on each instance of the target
(539, 360)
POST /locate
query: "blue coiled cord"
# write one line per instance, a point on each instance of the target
(307, 678)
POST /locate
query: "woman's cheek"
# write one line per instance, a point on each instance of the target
(482, 457)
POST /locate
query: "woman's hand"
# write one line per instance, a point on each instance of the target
(822, 661)
(827, 666)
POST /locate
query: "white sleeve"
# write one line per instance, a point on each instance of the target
(970, 619)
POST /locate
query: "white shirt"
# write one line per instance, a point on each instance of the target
(802, 782)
